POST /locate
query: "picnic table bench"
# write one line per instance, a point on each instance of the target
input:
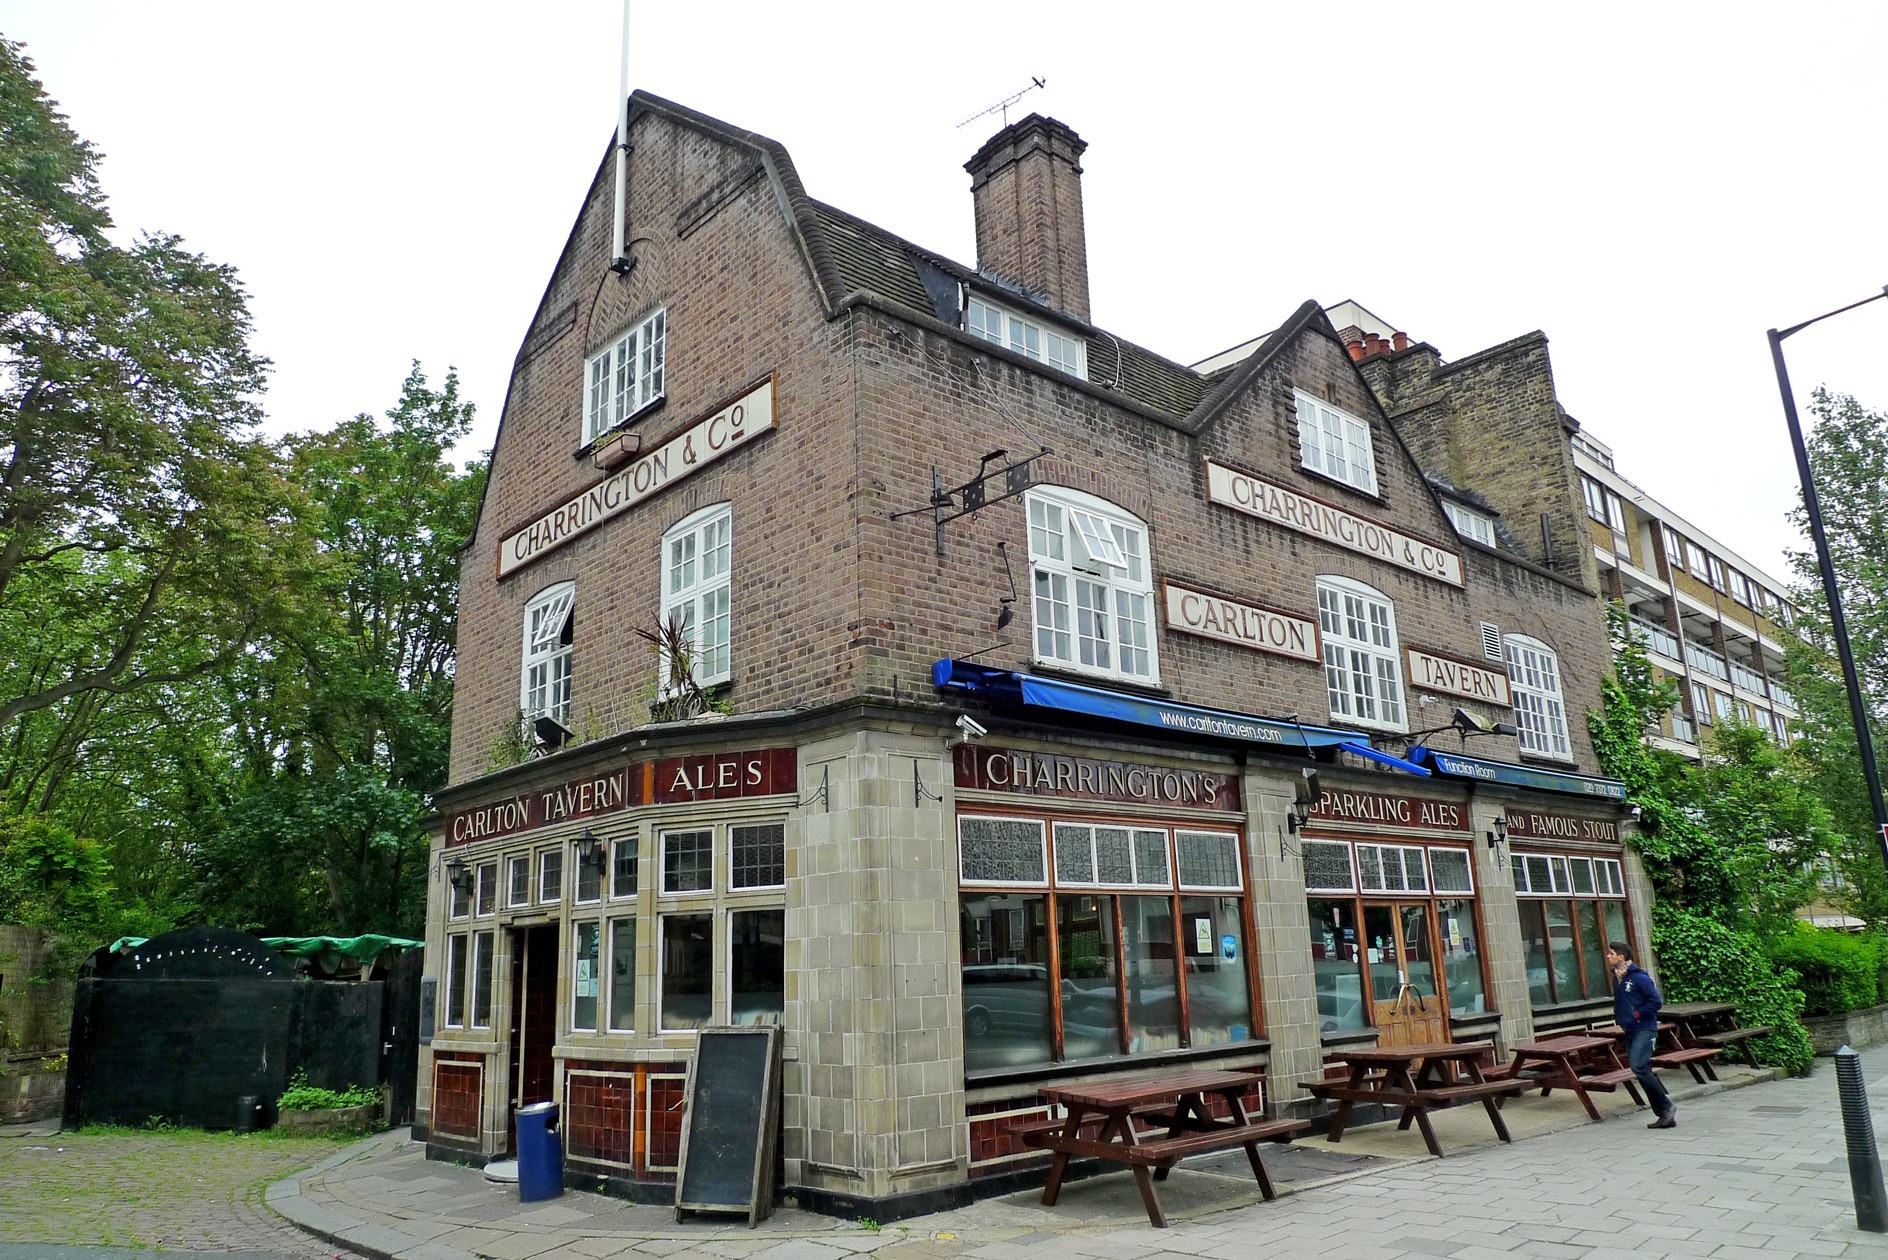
(1573, 1062)
(1099, 1122)
(1674, 1052)
(1417, 1079)
(1711, 1025)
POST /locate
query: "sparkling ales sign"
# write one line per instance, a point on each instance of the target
(1282, 506)
(686, 453)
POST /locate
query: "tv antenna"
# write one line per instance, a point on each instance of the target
(1003, 106)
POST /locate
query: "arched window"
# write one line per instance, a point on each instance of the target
(697, 555)
(1091, 586)
(1538, 711)
(544, 687)
(1362, 667)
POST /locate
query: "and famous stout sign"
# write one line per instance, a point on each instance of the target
(982, 768)
(1540, 824)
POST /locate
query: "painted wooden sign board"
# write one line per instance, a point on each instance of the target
(730, 1124)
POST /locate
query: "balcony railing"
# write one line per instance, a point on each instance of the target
(1705, 661)
(1781, 694)
(1748, 680)
(1655, 638)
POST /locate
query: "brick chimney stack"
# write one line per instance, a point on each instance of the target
(1026, 182)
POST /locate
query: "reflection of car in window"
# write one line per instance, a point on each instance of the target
(1005, 995)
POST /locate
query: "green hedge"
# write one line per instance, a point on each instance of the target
(1838, 971)
(1701, 960)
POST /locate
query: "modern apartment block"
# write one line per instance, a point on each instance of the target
(1514, 470)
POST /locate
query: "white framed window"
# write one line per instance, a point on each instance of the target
(1553, 875)
(1539, 712)
(457, 961)
(1717, 573)
(544, 688)
(624, 856)
(551, 875)
(624, 377)
(1451, 871)
(1111, 857)
(757, 856)
(688, 861)
(586, 978)
(1027, 337)
(1001, 851)
(518, 881)
(1701, 702)
(1208, 861)
(1724, 703)
(1674, 547)
(1362, 671)
(587, 878)
(1594, 495)
(1092, 585)
(1328, 866)
(1740, 588)
(484, 945)
(459, 899)
(1470, 523)
(697, 555)
(485, 899)
(622, 974)
(1391, 868)
(1335, 444)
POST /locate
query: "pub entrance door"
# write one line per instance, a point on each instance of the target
(1406, 1003)
(533, 1019)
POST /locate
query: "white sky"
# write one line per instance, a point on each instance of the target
(1653, 186)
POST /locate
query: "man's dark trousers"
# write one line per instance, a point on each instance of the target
(1639, 1054)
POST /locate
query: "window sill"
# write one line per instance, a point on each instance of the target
(1075, 673)
(1375, 496)
(621, 427)
(1111, 1063)
(1545, 759)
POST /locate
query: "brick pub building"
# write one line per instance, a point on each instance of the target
(1161, 595)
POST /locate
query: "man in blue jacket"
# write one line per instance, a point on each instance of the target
(1636, 1005)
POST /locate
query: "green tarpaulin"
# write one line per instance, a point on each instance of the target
(362, 949)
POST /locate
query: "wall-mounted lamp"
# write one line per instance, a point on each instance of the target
(1305, 798)
(1498, 836)
(459, 875)
(550, 733)
(589, 851)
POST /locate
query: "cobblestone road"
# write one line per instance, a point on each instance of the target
(176, 1191)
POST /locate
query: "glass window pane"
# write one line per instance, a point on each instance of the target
(1538, 878)
(1091, 1012)
(1540, 990)
(1327, 867)
(1000, 850)
(1415, 877)
(757, 966)
(1582, 872)
(1153, 996)
(759, 856)
(1074, 854)
(1210, 859)
(1380, 960)
(1334, 962)
(687, 861)
(551, 875)
(1419, 962)
(459, 896)
(1592, 949)
(1369, 866)
(455, 981)
(1114, 862)
(1615, 913)
(487, 898)
(623, 975)
(519, 892)
(587, 980)
(1212, 940)
(1461, 956)
(1150, 858)
(1450, 868)
(1566, 959)
(483, 946)
(688, 953)
(590, 879)
(623, 868)
(1007, 1007)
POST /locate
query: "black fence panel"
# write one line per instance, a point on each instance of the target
(400, 1031)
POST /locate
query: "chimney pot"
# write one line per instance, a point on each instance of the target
(1026, 185)
(1356, 349)
(1400, 341)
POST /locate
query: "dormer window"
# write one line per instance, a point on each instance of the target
(1030, 338)
(1334, 444)
(1471, 524)
(625, 377)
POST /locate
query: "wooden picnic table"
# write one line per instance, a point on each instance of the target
(1417, 1079)
(1099, 1117)
(1576, 1064)
(1678, 1050)
(1712, 1025)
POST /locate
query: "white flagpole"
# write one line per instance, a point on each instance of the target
(621, 260)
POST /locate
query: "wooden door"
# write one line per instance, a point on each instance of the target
(1407, 1005)
(533, 1017)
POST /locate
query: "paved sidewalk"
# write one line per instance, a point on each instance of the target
(1759, 1172)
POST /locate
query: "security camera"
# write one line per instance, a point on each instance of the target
(971, 727)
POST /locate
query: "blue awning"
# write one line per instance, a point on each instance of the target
(1382, 758)
(1119, 706)
(1456, 766)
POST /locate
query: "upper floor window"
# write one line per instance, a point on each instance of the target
(1674, 547)
(1335, 444)
(1092, 585)
(1539, 712)
(1717, 573)
(1740, 588)
(1470, 523)
(1603, 505)
(545, 686)
(1362, 670)
(1027, 337)
(623, 378)
(696, 555)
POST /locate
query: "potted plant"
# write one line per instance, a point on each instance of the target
(308, 1109)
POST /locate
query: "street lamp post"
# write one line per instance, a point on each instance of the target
(1858, 706)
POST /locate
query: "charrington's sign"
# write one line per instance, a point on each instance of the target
(1535, 824)
(1081, 778)
(1344, 806)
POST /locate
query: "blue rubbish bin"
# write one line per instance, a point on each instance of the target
(540, 1154)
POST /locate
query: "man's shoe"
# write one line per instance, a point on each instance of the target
(1667, 1121)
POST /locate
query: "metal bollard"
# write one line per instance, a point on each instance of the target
(1871, 1206)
